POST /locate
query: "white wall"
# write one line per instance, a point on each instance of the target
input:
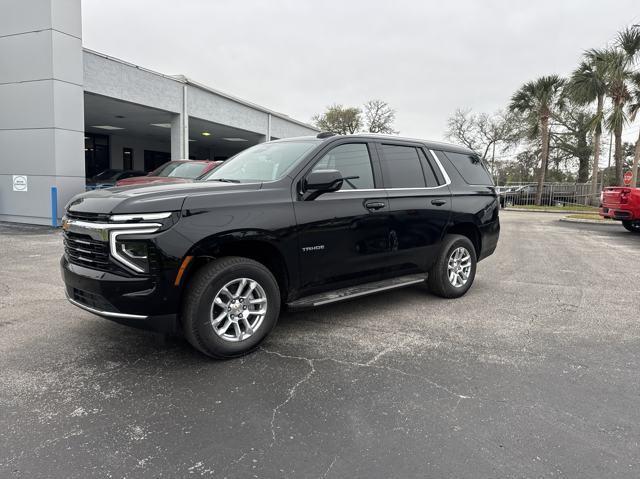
(41, 106)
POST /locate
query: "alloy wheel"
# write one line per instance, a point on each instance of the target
(238, 309)
(459, 267)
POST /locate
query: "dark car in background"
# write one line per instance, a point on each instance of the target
(176, 171)
(109, 178)
(552, 195)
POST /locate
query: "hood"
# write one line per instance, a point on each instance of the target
(150, 198)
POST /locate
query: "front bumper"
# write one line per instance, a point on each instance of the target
(133, 301)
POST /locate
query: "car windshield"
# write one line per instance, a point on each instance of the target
(107, 175)
(263, 162)
(181, 170)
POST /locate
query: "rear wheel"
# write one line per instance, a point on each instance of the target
(633, 226)
(455, 269)
(231, 305)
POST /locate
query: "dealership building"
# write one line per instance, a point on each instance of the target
(67, 113)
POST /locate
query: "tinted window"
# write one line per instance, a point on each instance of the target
(351, 159)
(471, 168)
(428, 169)
(401, 167)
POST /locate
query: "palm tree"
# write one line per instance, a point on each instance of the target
(634, 108)
(618, 63)
(588, 84)
(629, 42)
(538, 101)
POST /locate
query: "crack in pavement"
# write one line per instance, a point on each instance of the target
(329, 468)
(369, 364)
(292, 391)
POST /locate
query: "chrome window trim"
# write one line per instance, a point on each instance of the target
(445, 175)
(447, 180)
(104, 313)
(140, 217)
(113, 238)
(392, 189)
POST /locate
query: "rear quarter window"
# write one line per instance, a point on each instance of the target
(470, 167)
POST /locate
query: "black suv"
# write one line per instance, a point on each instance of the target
(299, 222)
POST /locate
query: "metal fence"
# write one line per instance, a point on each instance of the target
(553, 194)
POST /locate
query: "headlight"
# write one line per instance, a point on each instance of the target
(133, 253)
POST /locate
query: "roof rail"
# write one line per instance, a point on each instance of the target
(326, 134)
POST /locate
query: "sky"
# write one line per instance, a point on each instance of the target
(424, 58)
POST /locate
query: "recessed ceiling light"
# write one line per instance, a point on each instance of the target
(162, 125)
(206, 133)
(107, 127)
(235, 139)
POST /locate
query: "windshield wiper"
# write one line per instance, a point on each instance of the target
(225, 180)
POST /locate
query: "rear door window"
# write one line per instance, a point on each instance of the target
(401, 167)
(429, 172)
(471, 168)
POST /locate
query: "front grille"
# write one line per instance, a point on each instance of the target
(95, 217)
(86, 251)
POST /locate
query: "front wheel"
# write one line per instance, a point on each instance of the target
(633, 226)
(230, 306)
(455, 269)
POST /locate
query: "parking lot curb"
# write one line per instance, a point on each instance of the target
(564, 212)
(591, 222)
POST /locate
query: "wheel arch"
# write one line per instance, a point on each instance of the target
(257, 246)
(471, 231)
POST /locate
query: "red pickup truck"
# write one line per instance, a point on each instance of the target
(622, 203)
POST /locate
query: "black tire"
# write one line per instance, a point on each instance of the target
(633, 226)
(201, 292)
(438, 280)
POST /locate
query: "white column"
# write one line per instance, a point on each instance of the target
(268, 135)
(42, 107)
(180, 130)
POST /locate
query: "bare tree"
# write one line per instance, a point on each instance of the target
(379, 117)
(339, 119)
(483, 133)
(462, 127)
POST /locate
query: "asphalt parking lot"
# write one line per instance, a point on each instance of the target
(534, 373)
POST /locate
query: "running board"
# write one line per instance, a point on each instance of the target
(356, 291)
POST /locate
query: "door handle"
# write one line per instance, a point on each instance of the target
(438, 202)
(374, 205)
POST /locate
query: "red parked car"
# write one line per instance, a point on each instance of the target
(176, 171)
(622, 203)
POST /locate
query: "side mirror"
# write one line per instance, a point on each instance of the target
(323, 181)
